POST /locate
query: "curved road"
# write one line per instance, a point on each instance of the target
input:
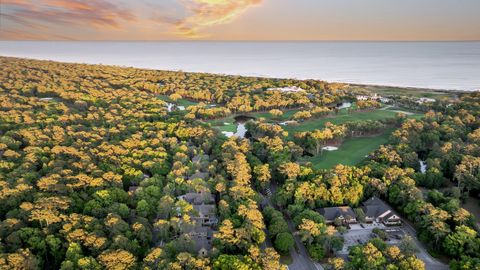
(300, 258)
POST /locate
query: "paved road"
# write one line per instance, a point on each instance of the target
(300, 258)
(430, 262)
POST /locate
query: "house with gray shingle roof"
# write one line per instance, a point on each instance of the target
(199, 158)
(206, 214)
(196, 198)
(205, 219)
(377, 210)
(344, 214)
(202, 238)
(200, 175)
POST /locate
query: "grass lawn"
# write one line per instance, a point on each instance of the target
(221, 121)
(351, 152)
(341, 118)
(231, 127)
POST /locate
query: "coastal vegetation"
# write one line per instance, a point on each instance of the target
(98, 171)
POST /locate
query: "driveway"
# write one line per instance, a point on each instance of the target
(430, 262)
(300, 258)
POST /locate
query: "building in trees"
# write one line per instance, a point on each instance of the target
(341, 214)
(205, 220)
(377, 210)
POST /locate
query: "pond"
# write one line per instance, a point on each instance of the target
(171, 107)
(423, 166)
(241, 129)
(344, 105)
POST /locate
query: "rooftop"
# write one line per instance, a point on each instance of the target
(375, 207)
(201, 175)
(331, 213)
(205, 209)
(197, 198)
(287, 89)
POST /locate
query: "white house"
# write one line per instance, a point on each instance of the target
(424, 100)
(287, 89)
(375, 96)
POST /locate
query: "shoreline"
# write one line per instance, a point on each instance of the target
(347, 83)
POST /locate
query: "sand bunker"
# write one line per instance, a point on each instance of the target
(330, 148)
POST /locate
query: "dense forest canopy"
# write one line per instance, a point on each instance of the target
(96, 172)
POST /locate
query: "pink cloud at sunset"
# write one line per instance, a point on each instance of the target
(239, 20)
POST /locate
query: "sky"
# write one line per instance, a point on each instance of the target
(383, 20)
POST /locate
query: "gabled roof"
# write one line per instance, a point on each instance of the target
(199, 158)
(197, 198)
(205, 209)
(331, 213)
(202, 238)
(375, 207)
(201, 175)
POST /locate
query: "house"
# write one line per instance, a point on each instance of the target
(204, 205)
(206, 214)
(198, 198)
(199, 158)
(375, 96)
(205, 220)
(385, 100)
(287, 89)
(362, 97)
(424, 100)
(377, 210)
(202, 239)
(199, 175)
(344, 214)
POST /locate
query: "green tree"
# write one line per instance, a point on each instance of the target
(461, 242)
(284, 242)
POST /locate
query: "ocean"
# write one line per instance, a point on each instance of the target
(435, 65)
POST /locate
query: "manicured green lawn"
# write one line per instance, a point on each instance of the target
(351, 152)
(221, 121)
(341, 118)
(231, 127)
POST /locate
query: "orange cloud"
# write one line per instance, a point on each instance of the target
(205, 13)
(47, 14)
(184, 18)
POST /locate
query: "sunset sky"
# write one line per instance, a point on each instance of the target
(240, 20)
